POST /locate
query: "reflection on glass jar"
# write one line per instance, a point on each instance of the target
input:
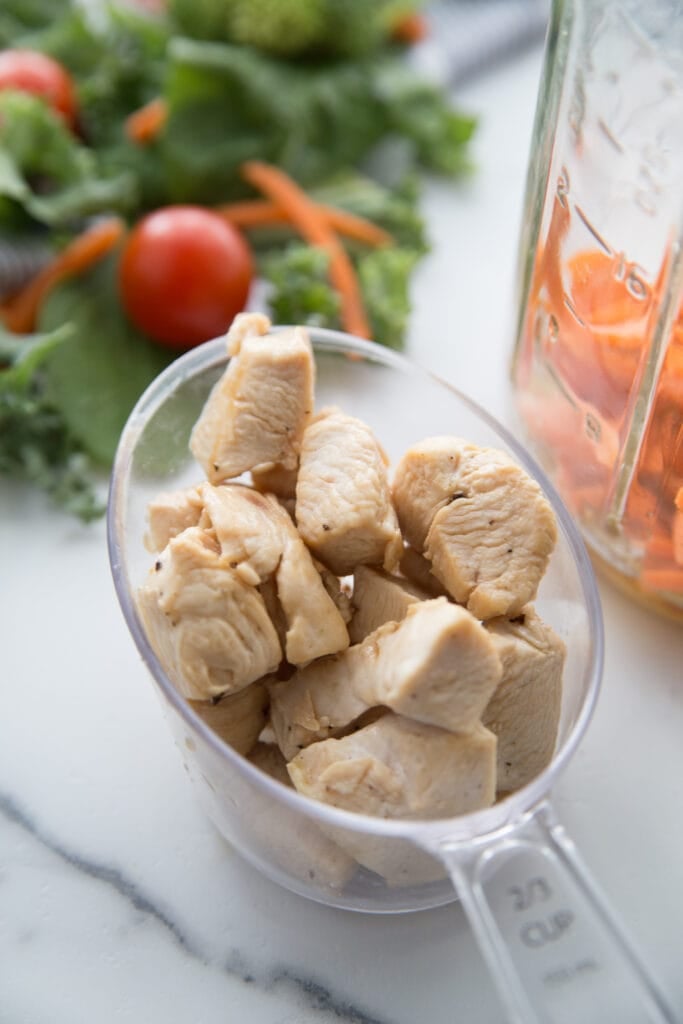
(598, 363)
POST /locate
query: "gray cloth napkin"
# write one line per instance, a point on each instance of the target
(469, 37)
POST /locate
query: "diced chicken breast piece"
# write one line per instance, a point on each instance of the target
(425, 480)
(169, 514)
(249, 528)
(238, 718)
(268, 591)
(268, 757)
(398, 861)
(315, 626)
(398, 768)
(256, 414)
(343, 502)
(246, 325)
(524, 710)
(484, 525)
(258, 539)
(295, 843)
(209, 629)
(276, 480)
(418, 570)
(437, 666)
(317, 702)
(377, 598)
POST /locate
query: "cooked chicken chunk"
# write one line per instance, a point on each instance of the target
(268, 757)
(398, 768)
(239, 718)
(268, 591)
(425, 480)
(295, 843)
(524, 710)
(482, 522)
(249, 528)
(437, 666)
(398, 861)
(259, 540)
(343, 504)
(379, 598)
(209, 629)
(315, 624)
(276, 480)
(418, 570)
(256, 414)
(169, 514)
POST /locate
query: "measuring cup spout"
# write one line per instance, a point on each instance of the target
(553, 946)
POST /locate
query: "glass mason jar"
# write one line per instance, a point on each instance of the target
(598, 361)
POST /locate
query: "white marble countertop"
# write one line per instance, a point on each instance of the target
(118, 900)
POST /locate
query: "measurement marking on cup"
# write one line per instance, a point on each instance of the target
(594, 231)
(538, 933)
(562, 975)
(572, 309)
(609, 136)
(534, 890)
(562, 189)
(545, 925)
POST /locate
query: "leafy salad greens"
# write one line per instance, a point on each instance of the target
(329, 98)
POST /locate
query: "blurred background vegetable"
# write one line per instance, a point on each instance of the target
(162, 105)
(184, 275)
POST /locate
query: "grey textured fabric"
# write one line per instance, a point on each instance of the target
(468, 37)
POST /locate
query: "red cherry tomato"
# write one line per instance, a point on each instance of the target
(185, 273)
(36, 73)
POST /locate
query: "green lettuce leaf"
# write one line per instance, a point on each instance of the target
(95, 377)
(48, 174)
(20, 19)
(229, 103)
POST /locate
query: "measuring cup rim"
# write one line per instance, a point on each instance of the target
(427, 832)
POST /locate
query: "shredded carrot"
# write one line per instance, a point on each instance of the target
(677, 538)
(144, 125)
(21, 312)
(410, 28)
(255, 213)
(306, 217)
(670, 580)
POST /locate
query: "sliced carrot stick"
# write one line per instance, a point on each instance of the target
(670, 580)
(306, 217)
(21, 312)
(255, 213)
(144, 125)
(677, 538)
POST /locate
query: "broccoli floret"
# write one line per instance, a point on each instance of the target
(285, 28)
(202, 19)
(353, 28)
(289, 28)
(300, 292)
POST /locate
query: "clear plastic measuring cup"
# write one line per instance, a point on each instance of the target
(598, 364)
(553, 947)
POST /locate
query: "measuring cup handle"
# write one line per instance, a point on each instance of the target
(553, 947)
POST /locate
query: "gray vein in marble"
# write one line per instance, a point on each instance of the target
(316, 995)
